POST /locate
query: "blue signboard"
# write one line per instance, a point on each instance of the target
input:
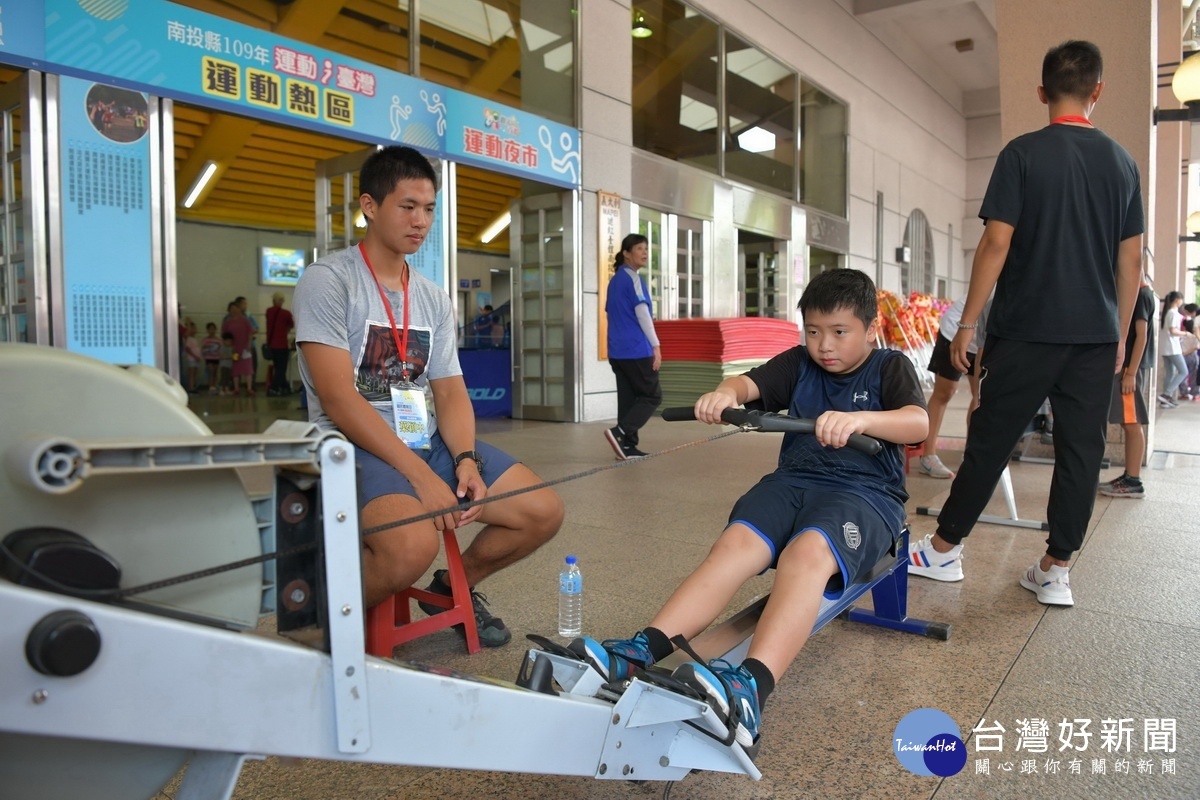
(430, 259)
(501, 138)
(22, 33)
(106, 183)
(178, 52)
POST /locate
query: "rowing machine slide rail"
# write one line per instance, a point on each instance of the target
(770, 422)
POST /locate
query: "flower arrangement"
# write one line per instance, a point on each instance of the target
(909, 325)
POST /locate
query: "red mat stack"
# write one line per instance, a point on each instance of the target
(700, 353)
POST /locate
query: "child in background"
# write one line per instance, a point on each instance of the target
(225, 381)
(210, 350)
(191, 354)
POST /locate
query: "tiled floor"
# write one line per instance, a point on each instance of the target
(1129, 649)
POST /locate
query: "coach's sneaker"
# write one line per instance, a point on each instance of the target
(934, 468)
(1052, 587)
(1123, 487)
(491, 629)
(614, 659)
(732, 691)
(923, 560)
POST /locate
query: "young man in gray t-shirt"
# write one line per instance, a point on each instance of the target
(357, 310)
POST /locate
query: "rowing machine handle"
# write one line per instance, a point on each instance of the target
(772, 423)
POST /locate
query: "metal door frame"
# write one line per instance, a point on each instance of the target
(27, 92)
(572, 306)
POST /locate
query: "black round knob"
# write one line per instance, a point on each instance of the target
(64, 643)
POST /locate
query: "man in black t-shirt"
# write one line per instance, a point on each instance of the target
(1062, 247)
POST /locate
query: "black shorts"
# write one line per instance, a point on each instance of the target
(939, 362)
(856, 534)
(1129, 409)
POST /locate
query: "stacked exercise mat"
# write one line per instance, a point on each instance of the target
(700, 353)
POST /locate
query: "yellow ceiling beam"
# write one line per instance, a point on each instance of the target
(489, 76)
(307, 20)
(221, 142)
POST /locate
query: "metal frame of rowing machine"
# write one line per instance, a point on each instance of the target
(160, 682)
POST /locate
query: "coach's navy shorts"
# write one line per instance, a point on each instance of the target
(377, 478)
(778, 512)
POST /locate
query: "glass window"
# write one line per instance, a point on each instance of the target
(917, 273)
(520, 52)
(822, 150)
(760, 104)
(689, 267)
(675, 84)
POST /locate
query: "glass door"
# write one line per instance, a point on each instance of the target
(760, 283)
(545, 361)
(653, 225)
(23, 308)
(689, 267)
(340, 223)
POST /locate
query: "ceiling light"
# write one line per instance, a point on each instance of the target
(756, 140)
(640, 29)
(210, 169)
(493, 230)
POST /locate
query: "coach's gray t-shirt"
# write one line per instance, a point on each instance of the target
(337, 304)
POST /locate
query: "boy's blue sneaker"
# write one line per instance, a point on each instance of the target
(615, 659)
(728, 687)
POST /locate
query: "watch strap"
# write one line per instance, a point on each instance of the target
(471, 454)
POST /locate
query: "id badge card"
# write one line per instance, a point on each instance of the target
(411, 416)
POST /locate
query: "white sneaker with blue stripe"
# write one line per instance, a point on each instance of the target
(1052, 587)
(927, 562)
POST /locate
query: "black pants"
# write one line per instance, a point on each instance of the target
(638, 394)
(1016, 378)
(279, 378)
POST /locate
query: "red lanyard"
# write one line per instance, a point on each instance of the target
(401, 341)
(1066, 119)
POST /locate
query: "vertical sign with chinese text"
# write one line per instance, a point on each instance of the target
(608, 244)
(106, 222)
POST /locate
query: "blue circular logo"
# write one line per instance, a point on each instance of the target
(928, 742)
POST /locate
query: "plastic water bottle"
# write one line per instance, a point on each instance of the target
(570, 599)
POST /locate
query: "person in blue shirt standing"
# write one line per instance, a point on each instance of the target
(633, 350)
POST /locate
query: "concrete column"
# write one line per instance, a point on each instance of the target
(606, 120)
(1168, 265)
(1126, 34)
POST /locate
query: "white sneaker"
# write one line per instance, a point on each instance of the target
(1052, 587)
(926, 562)
(934, 468)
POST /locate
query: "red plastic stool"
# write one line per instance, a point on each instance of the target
(910, 452)
(390, 623)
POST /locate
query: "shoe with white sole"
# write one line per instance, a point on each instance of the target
(934, 468)
(1053, 588)
(926, 562)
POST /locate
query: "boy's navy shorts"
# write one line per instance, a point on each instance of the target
(778, 512)
(377, 478)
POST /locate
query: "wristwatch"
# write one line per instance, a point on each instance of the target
(471, 454)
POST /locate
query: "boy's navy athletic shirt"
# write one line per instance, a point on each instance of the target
(1073, 195)
(886, 381)
(626, 289)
